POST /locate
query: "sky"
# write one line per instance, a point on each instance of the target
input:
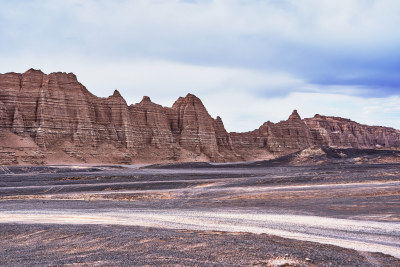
(249, 61)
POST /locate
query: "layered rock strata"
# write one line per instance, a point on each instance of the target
(54, 118)
(59, 113)
(296, 134)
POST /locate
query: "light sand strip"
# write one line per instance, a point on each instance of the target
(369, 236)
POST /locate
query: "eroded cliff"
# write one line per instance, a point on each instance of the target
(54, 119)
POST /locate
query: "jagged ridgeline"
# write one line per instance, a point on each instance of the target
(54, 118)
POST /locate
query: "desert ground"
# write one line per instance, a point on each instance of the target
(200, 214)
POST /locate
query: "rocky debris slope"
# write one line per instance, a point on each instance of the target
(54, 119)
(317, 155)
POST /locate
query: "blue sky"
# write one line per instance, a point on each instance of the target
(249, 61)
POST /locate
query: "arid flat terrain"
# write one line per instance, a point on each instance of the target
(201, 214)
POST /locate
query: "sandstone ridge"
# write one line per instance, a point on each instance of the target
(52, 118)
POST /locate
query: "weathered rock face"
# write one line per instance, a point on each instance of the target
(54, 118)
(56, 107)
(58, 112)
(280, 138)
(344, 133)
(197, 129)
(295, 134)
(222, 136)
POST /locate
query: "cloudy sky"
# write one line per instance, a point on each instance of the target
(248, 60)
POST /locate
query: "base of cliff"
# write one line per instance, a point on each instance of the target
(317, 155)
(311, 156)
(23, 150)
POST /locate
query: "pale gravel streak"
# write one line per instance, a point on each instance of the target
(369, 236)
(212, 183)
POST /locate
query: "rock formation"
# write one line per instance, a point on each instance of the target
(278, 138)
(344, 133)
(53, 118)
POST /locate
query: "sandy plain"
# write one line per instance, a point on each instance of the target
(200, 214)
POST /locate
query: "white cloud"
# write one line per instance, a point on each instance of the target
(161, 79)
(169, 26)
(244, 59)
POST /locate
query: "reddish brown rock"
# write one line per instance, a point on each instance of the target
(276, 138)
(344, 133)
(198, 131)
(222, 136)
(60, 114)
(296, 134)
(17, 123)
(54, 118)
